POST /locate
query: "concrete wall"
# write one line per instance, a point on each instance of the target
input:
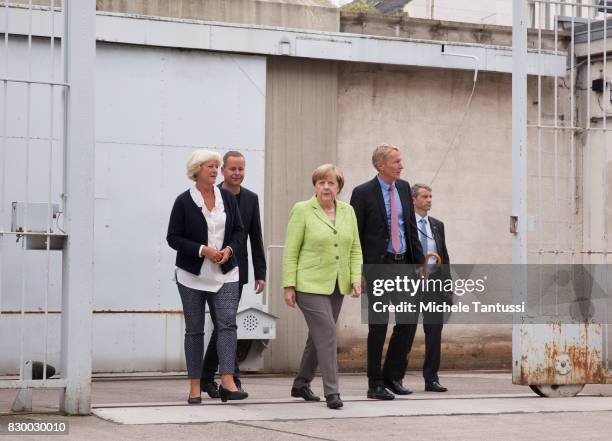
(301, 124)
(421, 111)
(307, 14)
(440, 30)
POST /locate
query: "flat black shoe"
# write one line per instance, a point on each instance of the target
(334, 401)
(434, 386)
(380, 393)
(397, 388)
(194, 400)
(210, 387)
(304, 392)
(225, 394)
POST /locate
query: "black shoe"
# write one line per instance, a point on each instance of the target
(334, 401)
(194, 400)
(380, 393)
(225, 394)
(397, 387)
(434, 386)
(238, 383)
(210, 387)
(304, 392)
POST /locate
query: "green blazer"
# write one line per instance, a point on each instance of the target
(318, 251)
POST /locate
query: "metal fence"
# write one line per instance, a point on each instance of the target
(560, 142)
(42, 212)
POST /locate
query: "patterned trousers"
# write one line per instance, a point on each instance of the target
(223, 305)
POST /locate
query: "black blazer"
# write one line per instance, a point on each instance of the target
(248, 203)
(437, 229)
(369, 205)
(187, 231)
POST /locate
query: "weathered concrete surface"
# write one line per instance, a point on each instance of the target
(409, 27)
(304, 14)
(468, 156)
(531, 419)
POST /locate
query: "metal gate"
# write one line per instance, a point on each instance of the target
(43, 212)
(561, 180)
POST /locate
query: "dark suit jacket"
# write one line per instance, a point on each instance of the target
(249, 213)
(437, 229)
(369, 205)
(187, 231)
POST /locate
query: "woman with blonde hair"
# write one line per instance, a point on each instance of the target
(205, 230)
(321, 264)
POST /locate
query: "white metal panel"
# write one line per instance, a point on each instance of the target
(154, 106)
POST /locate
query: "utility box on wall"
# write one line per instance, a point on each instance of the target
(34, 218)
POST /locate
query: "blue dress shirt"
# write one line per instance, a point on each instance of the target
(400, 214)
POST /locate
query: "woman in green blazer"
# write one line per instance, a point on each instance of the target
(321, 264)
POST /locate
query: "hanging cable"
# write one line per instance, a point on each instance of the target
(465, 113)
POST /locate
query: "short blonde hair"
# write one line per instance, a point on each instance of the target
(199, 157)
(322, 171)
(381, 152)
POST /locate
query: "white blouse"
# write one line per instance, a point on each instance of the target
(211, 278)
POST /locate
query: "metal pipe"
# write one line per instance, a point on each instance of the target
(49, 83)
(539, 155)
(587, 168)
(557, 208)
(519, 166)
(604, 257)
(49, 190)
(3, 161)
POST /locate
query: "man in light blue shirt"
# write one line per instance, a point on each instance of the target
(433, 240)
(400, 214)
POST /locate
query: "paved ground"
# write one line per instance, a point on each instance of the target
(478, 406)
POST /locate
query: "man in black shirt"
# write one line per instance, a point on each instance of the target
(233, 174)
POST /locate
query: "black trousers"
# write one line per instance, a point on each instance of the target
(432, 326)
(211, 358)
(433, 350)
(400, 343)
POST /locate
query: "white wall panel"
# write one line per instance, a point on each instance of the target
(154, 107)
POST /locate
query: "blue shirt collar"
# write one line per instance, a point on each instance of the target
(383, 184)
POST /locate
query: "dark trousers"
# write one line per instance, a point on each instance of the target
(432, 326)
(224, 303)
(400, 343)
(433, 350)
(211, 359)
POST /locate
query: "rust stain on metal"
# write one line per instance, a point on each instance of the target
(576, 354)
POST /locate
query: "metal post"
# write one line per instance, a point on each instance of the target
(519, 162)
(78, 198)
(519, 129)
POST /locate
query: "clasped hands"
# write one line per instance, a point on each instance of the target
(216, 255)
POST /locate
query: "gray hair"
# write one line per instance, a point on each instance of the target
(381, 152)
(416, 187)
